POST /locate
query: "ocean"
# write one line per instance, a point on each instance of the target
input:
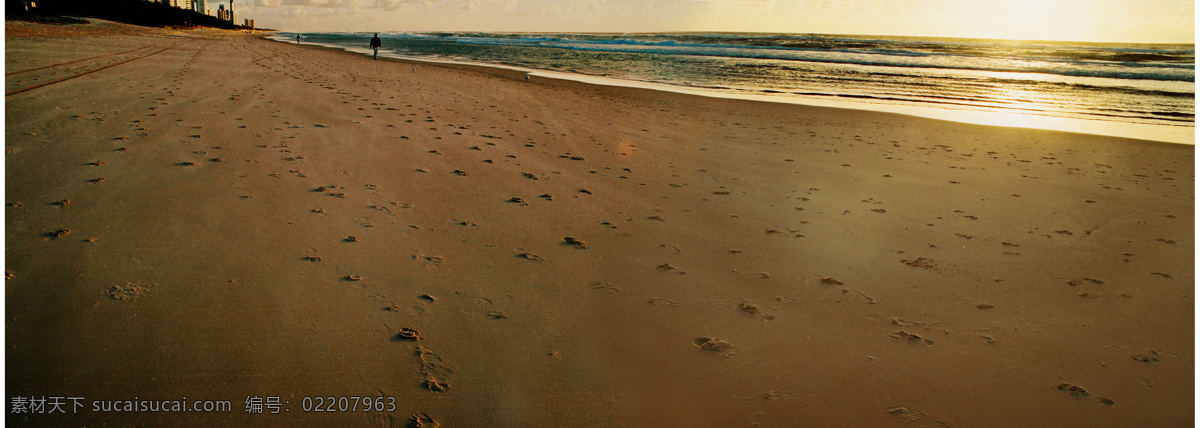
(1131, 90)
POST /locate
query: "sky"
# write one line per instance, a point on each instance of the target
(1073, 20)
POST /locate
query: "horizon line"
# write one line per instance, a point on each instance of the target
(995, 39)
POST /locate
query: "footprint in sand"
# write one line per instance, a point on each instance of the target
(673, 247)
(715, 345)
(920, 262)
(1073, 390)
(432, 260)
(422, 420)
(754, 311)
(601, 285)
(910, 415)
(575, 242)
(530, 256)
(1147, 355)
(830, 281)
(436, 385)
(909, 337)
(130, 291)
(436, 373)
(407, 334)
(870, 300)
(666, 267)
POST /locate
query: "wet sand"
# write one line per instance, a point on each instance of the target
(209, 215)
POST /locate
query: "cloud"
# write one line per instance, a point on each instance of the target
(392, 4)
(505, 5)
(846, 4)
(309, 3)
(759, 3)
(359, 4)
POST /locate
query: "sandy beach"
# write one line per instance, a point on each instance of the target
(210, 215)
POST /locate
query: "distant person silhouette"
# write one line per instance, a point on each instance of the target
(375, 45)
(297, 39)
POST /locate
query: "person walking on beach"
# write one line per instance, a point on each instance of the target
(297, 39)
(375, 45)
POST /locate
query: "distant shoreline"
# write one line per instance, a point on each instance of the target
(1146, 132)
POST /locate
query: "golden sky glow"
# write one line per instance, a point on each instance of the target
(1087, 20)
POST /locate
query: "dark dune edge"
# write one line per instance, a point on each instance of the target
(135, 12)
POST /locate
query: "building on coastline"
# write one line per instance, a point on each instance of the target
(226, 14)
(198, 6)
